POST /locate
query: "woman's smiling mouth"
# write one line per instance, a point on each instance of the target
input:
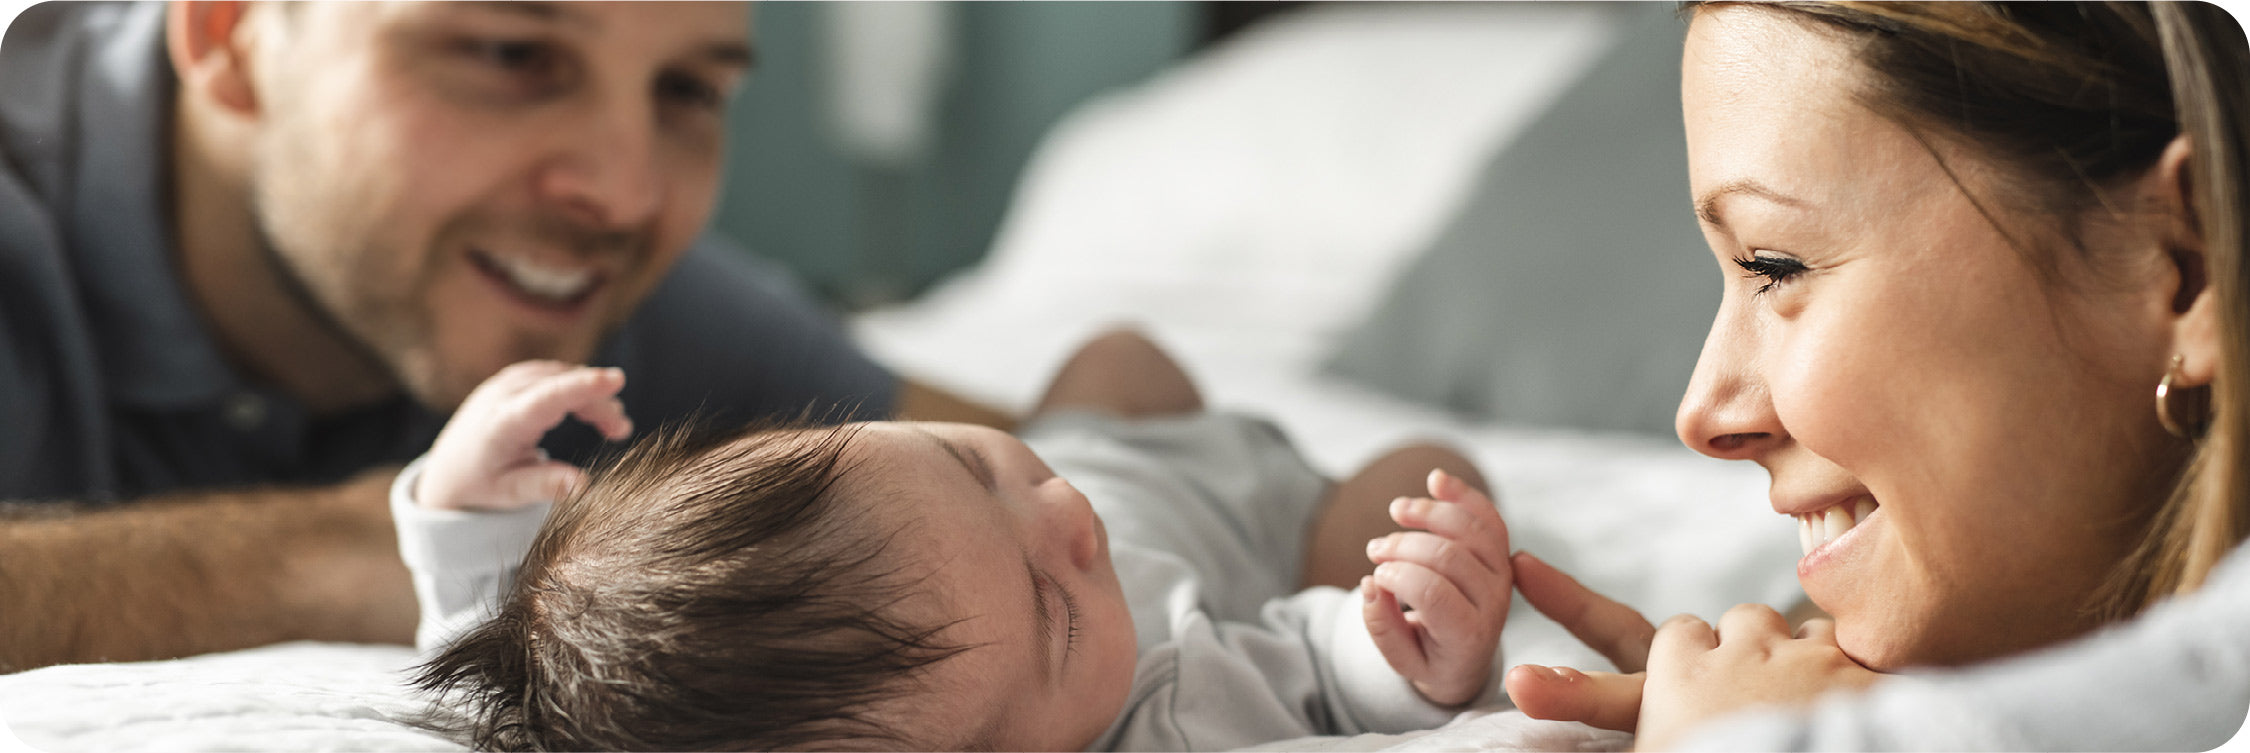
(1818, 528)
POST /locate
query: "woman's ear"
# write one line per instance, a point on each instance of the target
(2171, 191)
(210, 49)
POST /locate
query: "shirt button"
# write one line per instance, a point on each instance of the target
(245, 411)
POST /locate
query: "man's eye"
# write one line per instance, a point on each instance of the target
(684, 89)
(512, 55)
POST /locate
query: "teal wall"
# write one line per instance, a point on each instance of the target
(862, 235)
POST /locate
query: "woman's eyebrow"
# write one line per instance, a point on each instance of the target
(1707, 205)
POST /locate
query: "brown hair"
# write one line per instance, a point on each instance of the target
(704, 591)
(2068, 98)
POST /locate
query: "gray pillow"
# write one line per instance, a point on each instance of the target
(1573, 288)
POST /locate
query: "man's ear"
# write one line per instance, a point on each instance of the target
(211, 52)
(2195, 330)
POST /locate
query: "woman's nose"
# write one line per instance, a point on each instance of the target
(1727, 412)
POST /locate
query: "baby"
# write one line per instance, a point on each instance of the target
(940, 586)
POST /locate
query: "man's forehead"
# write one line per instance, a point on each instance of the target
(692, 22)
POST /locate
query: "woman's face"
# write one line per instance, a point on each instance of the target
(1962, 442)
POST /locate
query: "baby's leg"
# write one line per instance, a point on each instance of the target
(1358, 509)
(1121, 373)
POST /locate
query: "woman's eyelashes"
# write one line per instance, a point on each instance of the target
(1775, 269)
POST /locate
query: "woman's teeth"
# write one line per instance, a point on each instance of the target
(1822, 526)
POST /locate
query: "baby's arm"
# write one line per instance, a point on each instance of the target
(1455, 574)
(468, 510)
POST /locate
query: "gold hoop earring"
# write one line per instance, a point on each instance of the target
(2192, 412)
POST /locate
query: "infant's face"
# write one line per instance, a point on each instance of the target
(1019, 564)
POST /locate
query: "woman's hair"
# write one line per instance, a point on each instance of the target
(2069, 99)
(704, 591)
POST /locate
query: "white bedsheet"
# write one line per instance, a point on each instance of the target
(289, 697)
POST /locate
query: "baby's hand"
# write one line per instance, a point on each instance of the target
(1455, 574)
(488, 456)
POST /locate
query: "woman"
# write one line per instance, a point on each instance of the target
(1965, 246)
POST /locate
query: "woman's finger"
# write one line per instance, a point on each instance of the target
(1752, 622)
(1615, 630)
(1602, 699)
(1682, 635)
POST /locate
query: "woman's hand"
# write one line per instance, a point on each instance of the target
(1696, 673)
(1454, 573)
(488, 458)
(1692, 672)
(1603, 699)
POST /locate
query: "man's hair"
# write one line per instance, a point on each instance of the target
(704, 591)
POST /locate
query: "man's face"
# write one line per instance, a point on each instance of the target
(460, 186)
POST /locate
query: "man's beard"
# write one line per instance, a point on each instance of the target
(293, 286)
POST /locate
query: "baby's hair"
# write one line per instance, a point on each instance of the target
(704, 591)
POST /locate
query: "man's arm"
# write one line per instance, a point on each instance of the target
(193, 573)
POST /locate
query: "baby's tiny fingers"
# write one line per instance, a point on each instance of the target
(543, 405)
(1452, 520)
(1447, 487)
(1438, 604)
(540, 483)
(1461, 564)
(607, 417)
(1397, 638)
(516, 376)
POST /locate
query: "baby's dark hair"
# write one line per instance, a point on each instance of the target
(704, 591)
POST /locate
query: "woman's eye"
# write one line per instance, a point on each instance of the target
(1774, 269)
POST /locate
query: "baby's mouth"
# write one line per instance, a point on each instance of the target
(1815, 529)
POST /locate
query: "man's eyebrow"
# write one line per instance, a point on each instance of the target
(1707, 205)
(730, 53)
(969, 459)
(539, 9)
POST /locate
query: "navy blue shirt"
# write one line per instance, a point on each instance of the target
(112, 387)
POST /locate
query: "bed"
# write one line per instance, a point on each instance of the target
(1284, 213)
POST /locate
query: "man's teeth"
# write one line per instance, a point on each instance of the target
(554, 283)
(1823, 526)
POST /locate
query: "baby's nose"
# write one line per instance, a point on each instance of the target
(1074, 523)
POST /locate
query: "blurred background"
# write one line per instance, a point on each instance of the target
(876, 146)
(1479, 207)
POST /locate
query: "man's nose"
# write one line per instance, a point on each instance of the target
(604, 171)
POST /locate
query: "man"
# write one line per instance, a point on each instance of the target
(250, 255)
